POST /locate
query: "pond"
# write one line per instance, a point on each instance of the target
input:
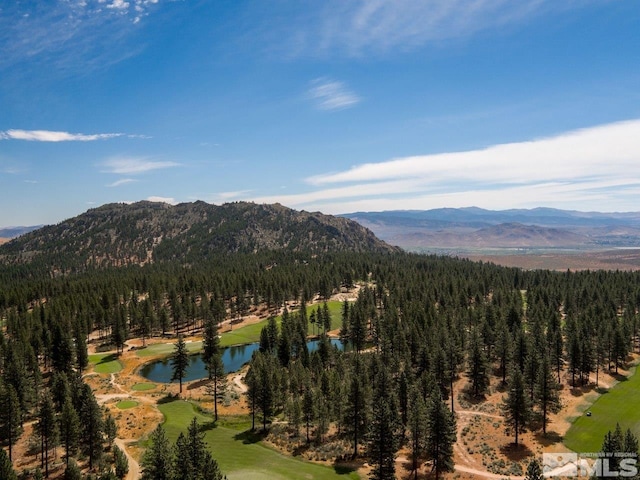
(233, 359)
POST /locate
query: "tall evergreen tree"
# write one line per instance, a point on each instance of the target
(218, 381)
(441, 434)
(179, 361)
(547, 397)
(91, 426)
(120, 462)
(478, 370)
(10, 417)
(47, 428)
(69, 428)
(417, 427)
(156, 461)
(383, 434)
(517, 406)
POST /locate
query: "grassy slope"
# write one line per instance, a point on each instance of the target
(618, 405)
(237, 452)
(105, 363)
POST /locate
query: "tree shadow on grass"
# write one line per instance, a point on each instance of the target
(248, 437)
(109, 358)
(205, 427)
(168, 398)
(344, 468)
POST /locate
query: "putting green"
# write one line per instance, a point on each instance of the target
(238, 453)
(618, 405)
(141, 387)
(124, 404)
(105, 363)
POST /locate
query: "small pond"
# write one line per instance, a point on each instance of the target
(233, 359)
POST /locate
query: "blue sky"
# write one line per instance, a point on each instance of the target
(334, 105)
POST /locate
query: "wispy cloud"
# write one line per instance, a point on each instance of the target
(589, 168)
(122, 181)
(332, 95)
(358, 27)
(70, 35)
(134, 166)
(53, 136)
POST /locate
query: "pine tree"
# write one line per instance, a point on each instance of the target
(91, 426)
(47, 428)
(517, 407)
(478, 367)
(417, 422)
(547, 397)
(210, 342)
(308, 410)
(10, 416)
(82, 356)
(120, 462)
(356, 409)
(534, 470)
(69, 428)
(218, 384)
(441, 434)
(183, 467)
(72, 472)
(156, 461)
(179, 361)
(383, 436)
(6, 468)
(110, 429)
(504, 346)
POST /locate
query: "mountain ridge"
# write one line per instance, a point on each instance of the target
(119, 234)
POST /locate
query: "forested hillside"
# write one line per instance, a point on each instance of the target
(420, 325)
(148, 232)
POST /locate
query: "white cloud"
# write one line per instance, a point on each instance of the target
(602, 151)
(134, 166)
(169, 200)
(122, 181)
(332, 95)
(594, 168)
(53, 136)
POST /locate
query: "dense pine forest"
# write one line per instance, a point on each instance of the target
(419, 324)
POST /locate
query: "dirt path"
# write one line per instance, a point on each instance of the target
(134, 466)
(482, 414)
(483, 473)
(237, 381)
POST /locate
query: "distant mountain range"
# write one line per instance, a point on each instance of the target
(478, 228)
(147, 232)
(12, 232)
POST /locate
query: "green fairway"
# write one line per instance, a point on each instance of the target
(105, 363)
(124, 404)
(618, 405)
(141, 387)
(251, 333)
(167, 349)
(238, 454)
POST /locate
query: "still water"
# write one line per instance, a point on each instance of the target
(233, 359)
